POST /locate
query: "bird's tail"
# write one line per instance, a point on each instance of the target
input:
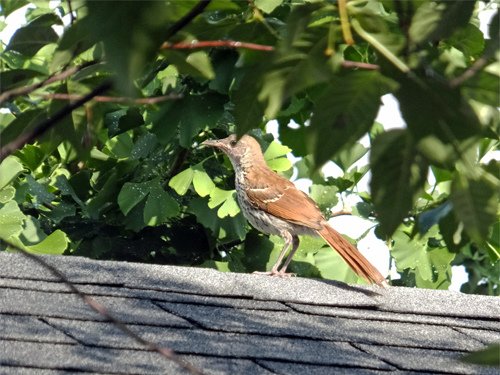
(352, 256)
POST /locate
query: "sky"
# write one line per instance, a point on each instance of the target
(389, 116)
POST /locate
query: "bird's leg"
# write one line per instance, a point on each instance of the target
(290, 241)
(295, 246)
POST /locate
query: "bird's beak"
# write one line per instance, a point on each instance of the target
(212, 143)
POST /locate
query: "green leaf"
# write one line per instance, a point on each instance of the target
(436, 20)
(475, 201)
(325, 196)
(74, 41)
(202, 182)
(160, 206)
(228, 200)
(483, 87)
(191, 114)
(331, 266)
(132, 194)
(444, 114)
(120, 146)
(267, 6)
(432, 264)
(131, 34)
(55, 244)
(276, 150)
(398, 175)
(17, 77)
(39, 193)
(31, 156)
(122, 120)
(144, 146)
(201, 62)
(344, 112)
(35, 35)
(248, 110)
(489, 356)
(8, 6)
(10, 168)
(7, 194)
(11, 220)
(229, 207)
(181, 181)
(275, 156)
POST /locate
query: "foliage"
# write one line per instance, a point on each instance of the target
(122, 177)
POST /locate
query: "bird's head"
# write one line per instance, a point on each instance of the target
(240, 151)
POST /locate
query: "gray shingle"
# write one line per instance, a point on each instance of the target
(323, 327)
(20, 327)
(231, 323)
(231, 345)
(129, 310)
(426, 360)
(74, 358)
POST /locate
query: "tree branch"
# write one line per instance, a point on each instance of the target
(103, 311)
(54, 78)
(45, 125)
(253, 46)
(113, 99)
(470, 72)
(217, 43)
(184, 21)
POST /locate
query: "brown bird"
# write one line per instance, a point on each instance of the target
(273, 205)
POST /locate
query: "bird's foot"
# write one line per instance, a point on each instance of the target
(275, 273)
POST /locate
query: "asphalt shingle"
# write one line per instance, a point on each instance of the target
(231, 323)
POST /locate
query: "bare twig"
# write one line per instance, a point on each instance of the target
(361, 65)
(217, 43)
(70, 11)
(184, 21)
(45, 125)
(253, 46)
(54, 78)
(470, 72)
(103, 311)
(340, 213)
(114, 99)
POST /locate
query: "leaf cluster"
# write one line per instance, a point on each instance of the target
(123, 177)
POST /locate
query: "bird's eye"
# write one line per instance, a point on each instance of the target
(233, 143)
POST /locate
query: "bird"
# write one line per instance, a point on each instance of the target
(273, 205)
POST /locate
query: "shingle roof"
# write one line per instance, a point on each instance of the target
(231, 323)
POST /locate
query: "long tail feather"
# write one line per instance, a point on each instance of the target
(352, 256)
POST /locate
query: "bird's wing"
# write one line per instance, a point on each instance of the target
(279, 197)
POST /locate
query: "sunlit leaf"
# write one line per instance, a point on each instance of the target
(10, 168)
(11, 220)
(55, 243)
(181, 181)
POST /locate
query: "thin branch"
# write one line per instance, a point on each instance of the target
(45, 125)
(361, 65)
(253, 46)
(70, 11)
(184, 21)
(103, 311)
(217, 43)
(54, 78)
(340, 213)
(470, 72)
(113, 99)
(379, 47)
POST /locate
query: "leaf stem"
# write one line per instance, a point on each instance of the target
(344, 22)
(379, 47)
